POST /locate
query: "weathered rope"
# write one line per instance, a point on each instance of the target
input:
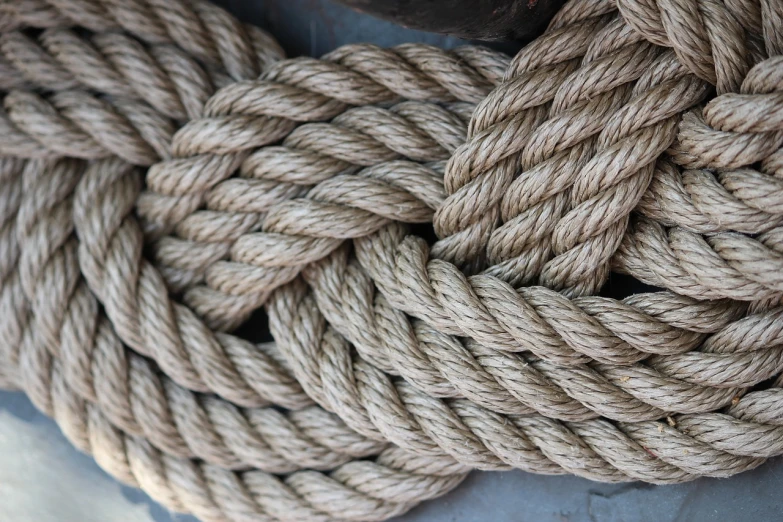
(115, 64)
(589, 151)
(199, 28)
(123, 390)
(191, 430)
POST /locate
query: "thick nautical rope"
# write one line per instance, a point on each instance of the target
(210, 446)
(724, 463)
(772, 368)
(255, 270)
(98, 366)
(202, 30)
(127, 401)
(584, 169)
(653, 387)
(253, 249)
(737, 251)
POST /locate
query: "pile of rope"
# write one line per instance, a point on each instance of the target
(167, 178)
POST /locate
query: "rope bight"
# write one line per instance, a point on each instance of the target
(166, 176)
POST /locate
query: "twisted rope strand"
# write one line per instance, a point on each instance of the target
(442, 367)
(503, 305)
(472, 435)
(547, 63)
(604, 191)
(706, 35)
(199, 28)
(72, 121)
(80, 124)
(356, 507)
(128, 388)
(340, 207)
(736, 198)
(358, 490)
(771, 364)
(13, 306)
(248, 115)
(596, 353)
(291, 190)
(115, 64)
(43, 378)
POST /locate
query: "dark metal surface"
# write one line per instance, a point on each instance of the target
(315, 27)
(473, 19)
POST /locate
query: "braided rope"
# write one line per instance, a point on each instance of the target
(593, 179)
(251, 114)
(734, 202)
(587, 152)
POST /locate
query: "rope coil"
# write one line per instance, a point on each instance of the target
(165, 175)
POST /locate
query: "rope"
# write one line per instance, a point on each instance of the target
(165, 176)
(123, 389)
(199, 28)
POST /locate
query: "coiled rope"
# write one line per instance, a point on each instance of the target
(166, 175)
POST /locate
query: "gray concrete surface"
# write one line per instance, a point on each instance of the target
(43, 479)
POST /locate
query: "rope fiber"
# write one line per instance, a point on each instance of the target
(168, 179)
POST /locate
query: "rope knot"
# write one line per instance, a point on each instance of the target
(561, 152)
(737, 128)
(715, 40)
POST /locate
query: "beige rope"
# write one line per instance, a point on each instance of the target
(529, 171)
(194, 426)
(115, 64)
(202, 30)
(343, 205)
(261, 112)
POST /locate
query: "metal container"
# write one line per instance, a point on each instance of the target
(470, 19)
